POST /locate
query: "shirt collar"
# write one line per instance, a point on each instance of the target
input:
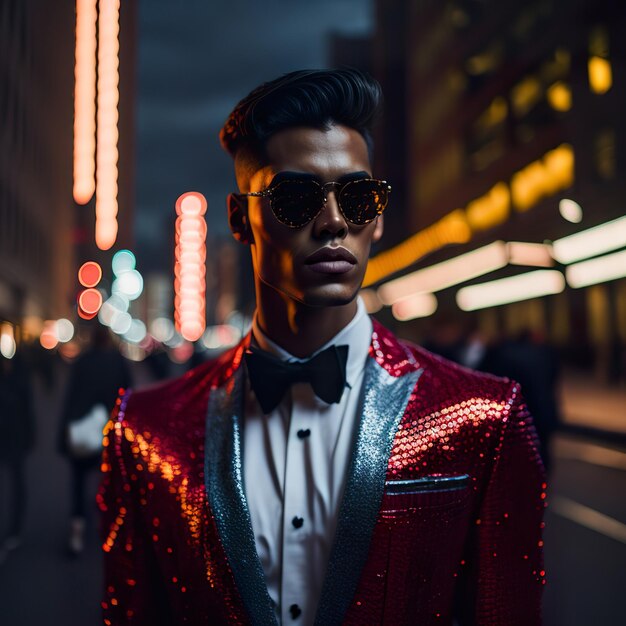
(357, 335)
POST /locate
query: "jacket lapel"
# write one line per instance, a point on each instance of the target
(225, 492)
(384, 401)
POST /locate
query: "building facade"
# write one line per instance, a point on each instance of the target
(44, 235)
(509, 109)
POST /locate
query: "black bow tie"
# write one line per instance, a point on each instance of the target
(270, 377)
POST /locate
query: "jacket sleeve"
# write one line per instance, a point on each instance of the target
(503, 580)
(133, 590)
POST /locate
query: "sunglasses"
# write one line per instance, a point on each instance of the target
(295, 202)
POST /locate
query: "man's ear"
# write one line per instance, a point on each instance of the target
(378, 229)
(238, 217)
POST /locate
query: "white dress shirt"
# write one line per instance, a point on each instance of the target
(295, 461)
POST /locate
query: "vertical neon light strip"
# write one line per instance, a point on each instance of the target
(85, 101)
(190, 266)
(107, 134)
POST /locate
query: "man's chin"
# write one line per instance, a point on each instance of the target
(318, 296)
(328, 296)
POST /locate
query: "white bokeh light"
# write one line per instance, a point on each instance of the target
(129, 284)
(137, 331)
(121, 323)
(112, 307)
(162, 329)
(7, 345)
(64, 330)
(570, 210)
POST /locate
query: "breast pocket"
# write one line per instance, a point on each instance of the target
(426, 521)
(405, 498)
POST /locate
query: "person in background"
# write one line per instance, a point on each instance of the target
(95, 378)
(17, 438)
(529, 359)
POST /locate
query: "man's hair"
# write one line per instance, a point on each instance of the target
(310, 98)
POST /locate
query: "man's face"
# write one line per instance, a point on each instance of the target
(281, 255)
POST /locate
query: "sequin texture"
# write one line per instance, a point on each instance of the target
(471, 554)
(177, 548)
(163, 557)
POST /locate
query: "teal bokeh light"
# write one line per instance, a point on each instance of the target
(123, 261)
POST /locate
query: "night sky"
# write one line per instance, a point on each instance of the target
(197, 59)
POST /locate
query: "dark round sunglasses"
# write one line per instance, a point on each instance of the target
(296, 202)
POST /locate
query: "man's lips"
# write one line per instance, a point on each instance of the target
(331, 261)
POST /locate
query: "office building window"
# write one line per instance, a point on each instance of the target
(604, 153)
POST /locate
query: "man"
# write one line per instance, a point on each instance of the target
(322, 471)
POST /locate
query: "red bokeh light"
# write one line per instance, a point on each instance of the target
(89, 274)
(90, 301)
(85, 316)
(190, 268)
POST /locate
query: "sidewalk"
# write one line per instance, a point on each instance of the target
(39, 582)
(588, 404)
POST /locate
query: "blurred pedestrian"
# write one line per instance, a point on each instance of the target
(445, 338)
(95, 380)
(17, 425)
(530, 360)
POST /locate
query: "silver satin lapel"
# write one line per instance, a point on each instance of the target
(385, 399)
(225, 492)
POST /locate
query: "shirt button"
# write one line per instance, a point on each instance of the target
(303, 434)
(295, 611)
(297, 522)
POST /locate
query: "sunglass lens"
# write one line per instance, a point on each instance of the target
(362, 200)
(295, 203)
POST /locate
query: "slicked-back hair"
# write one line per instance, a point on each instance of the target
(310, 98)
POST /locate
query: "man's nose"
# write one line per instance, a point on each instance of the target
(330, 222)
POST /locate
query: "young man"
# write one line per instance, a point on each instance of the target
(322, 471)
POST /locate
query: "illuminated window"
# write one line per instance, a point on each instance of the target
(542, 178)
(604, 153)
(599, 64)
(486, 62)
(525, 95)
(488, 139)
(481, 67)
(491, 209)
(494, 115)
(560, 96)
(600, 75)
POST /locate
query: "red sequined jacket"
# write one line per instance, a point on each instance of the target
(441, 520)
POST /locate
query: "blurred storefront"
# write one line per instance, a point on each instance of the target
(44, 233)
(508, 119)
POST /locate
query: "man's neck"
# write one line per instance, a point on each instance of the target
(297, 328)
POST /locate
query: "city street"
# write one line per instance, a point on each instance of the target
(585, 539)
(171, 173)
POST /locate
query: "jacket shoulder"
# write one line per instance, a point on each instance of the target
(183, 399)
(399, 356)
(453, 373)
(439, 376)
